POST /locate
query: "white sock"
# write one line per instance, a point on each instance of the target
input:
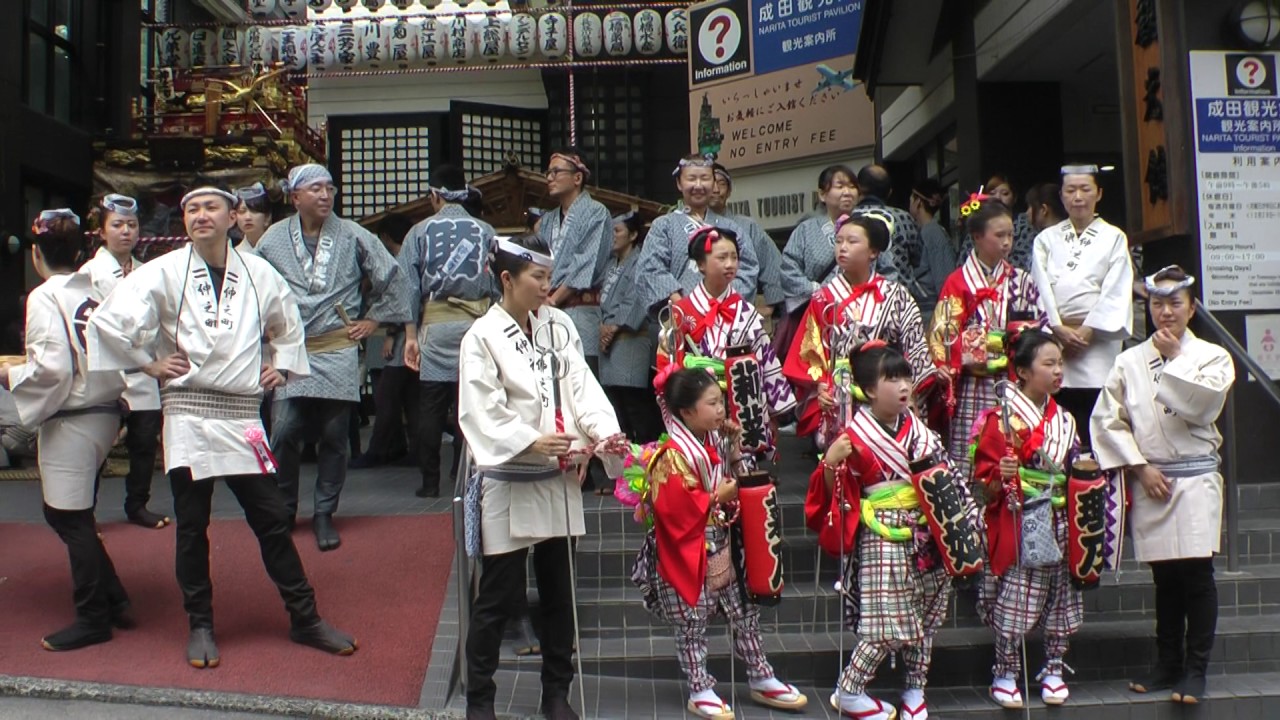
(768, 684)
(706, 696)
(857, 703)
(913, 697)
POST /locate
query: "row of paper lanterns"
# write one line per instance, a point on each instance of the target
(299, 8)
(401, 43)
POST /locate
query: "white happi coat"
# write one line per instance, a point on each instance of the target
(1161, 412)
(1086, 279)
(505, 404)
(168, 305)
(142, 392)
(55, 381)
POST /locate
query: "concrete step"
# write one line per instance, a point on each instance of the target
(1103, 649)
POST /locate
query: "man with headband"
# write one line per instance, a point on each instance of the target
(1082, 268)
(579, 232)
(325, 259)
(195, 319)
(444, 262)
(1154, 422)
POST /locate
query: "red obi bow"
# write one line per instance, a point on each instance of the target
(725, 310)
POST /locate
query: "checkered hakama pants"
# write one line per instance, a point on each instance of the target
(974, 396)
(691, 623)
(900, 606)
(1023, 599)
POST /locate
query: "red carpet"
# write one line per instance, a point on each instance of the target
(385, 585)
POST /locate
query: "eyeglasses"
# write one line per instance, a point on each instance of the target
(553, 172)
(121, 204)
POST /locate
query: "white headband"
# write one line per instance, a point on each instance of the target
(304, 175)
(231, 199)
(706, 161)
(505, 245)
(1079, 170)
(455, 196)
(1169, 290)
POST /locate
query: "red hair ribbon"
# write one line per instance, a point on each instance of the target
(840, 221)
(872, 345)
(712, 237)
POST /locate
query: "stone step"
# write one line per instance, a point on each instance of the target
(1103, 650)
(617, 611)
(1245, 696)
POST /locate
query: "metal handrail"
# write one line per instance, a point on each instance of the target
(1241, 356)
(465, 565)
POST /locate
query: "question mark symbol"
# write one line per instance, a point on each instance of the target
(1252, 66)
(723, 24)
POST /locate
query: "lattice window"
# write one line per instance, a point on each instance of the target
(488, 139)
(382, 167)
(611, 128)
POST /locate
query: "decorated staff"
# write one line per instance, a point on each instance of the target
(1020, 454)
(690, 567)
(895, 586)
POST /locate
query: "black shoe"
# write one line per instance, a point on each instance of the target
(202, 652)
(323, 636)
(480, 713)
(122, 616)
(427, 492)
(1191, 690)
(147, 519)
(75, 636)
(326, 534)
(1161, 677)
(558, 708)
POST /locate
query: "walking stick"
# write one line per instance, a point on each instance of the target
(835, 338)
(550, 344)
(1002, 390)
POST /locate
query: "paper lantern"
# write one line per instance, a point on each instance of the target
(203, 43)
(319, 39)
(345, 5)
(230, 41)
(372, 50)
(295, 10)
(617, 34)
(402, 42)
(262, 8)
(553, 35)
(346, 45)
(522, 36)
(677, 26)
(433, 38)
(648, 32)
(291, 47)
(491, 37)
(402, 5)
(319, 6)
(458, 49)
(588, 34)
(175, 49)
(259, 45)
(372, 5)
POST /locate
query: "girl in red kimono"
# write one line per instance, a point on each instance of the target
(978, 306)
(686, 571)
(713, 319)
(863, 306)
(1021, 591)
(897, 589)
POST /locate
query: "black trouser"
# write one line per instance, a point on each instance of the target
(141, 439)
(503, 580)
(1186, 613)
(1079, 402)
(637, 412)
(302, 419)
(96, 587)
(435, 401)
(395, 399)
(265, 511)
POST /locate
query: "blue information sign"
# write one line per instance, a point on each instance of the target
(1238, 125)
(788, 33)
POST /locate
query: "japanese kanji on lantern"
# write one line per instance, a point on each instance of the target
(588, 35)
(522, 36)
(203, 43)
(617, 34)
(553, 35)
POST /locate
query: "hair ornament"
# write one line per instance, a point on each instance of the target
(712, 236)
(870, 345)
(974, 202)
(877, 213)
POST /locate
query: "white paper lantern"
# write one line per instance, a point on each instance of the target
(433, 39)
(320, 50)
(230, 42)
(553, 35)
(291, 47)
(402, 5)
(295, 10)
(491, 38)
(174, 50)
(259, 45)
(262, 8)
(648, 32)
(677, 26)
(522, 36)
(319, 6)
(402, 42)
(346, 4)
(372, 5)
(346, 45)
(373, 44)
(588, 35)
(458, 49)
(617, 34)
(203, 43)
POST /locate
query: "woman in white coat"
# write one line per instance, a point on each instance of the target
(525, 423)
(78, 415)
(1155, 421)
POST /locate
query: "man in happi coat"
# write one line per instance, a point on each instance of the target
(579, 232)
(769, 281)
(196, 319)
(444, 260)
(325, 258)
(1083, 271)
(874, 188)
